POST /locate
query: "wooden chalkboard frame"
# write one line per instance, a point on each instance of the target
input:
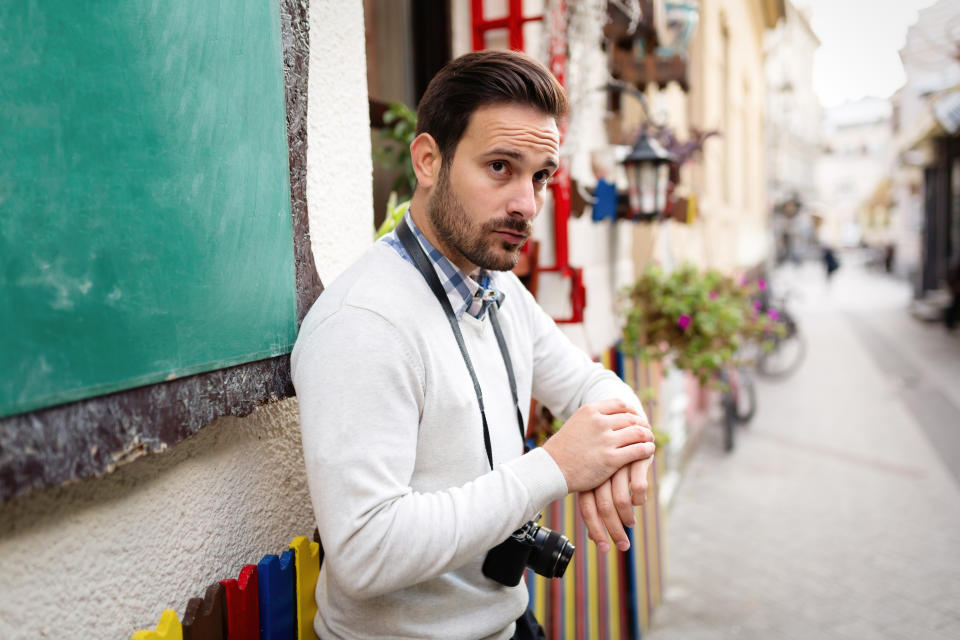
(52, 446)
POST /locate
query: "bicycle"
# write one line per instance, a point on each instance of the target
(738, 400)
(787, 349)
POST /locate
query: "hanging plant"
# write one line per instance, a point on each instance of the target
(694, 320)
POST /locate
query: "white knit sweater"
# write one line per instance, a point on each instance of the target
(406, 503)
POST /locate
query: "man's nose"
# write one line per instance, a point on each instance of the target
(524, 200)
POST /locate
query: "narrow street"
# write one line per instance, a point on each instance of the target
(838, 513)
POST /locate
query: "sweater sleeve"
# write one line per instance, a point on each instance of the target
(564, 377)
(360, 385)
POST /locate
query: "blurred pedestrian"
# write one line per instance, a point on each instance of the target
(828, 254)
(830, 261)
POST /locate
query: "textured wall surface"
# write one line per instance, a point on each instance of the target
(339, 167)
(102, 558)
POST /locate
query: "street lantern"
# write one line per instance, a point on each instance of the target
(676, 28)
(648, 173)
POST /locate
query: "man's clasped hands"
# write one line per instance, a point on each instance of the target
(605, 451)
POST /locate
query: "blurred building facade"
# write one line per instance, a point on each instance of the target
(793, 132)
(857, 156)
(924, 204)
(728, 95)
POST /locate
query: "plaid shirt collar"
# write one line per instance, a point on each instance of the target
(470, 294)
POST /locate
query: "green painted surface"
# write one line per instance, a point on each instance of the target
(145, 228)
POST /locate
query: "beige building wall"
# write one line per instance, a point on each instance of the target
(727, 93)
(794, 118)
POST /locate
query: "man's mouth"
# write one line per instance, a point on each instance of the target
(513, 237)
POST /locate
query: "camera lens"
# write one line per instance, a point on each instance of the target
(551, 552)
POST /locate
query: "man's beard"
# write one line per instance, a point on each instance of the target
(478, 244)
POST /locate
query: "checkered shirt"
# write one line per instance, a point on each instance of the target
(470, 294)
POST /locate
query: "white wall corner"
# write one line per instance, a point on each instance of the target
(339, 165)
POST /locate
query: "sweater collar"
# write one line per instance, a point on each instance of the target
(470, 293)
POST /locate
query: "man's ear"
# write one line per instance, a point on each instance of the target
(426, 159)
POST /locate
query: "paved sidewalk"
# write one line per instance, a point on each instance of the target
(838, 513)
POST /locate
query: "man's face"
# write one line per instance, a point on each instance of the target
(485, 199)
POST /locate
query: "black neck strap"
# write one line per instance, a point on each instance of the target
(424, 266)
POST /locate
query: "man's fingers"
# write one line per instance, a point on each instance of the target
(613, 405)
(621, 495)
(588, 510)
(638, 480)
(618, 421)
(632, 435)
(631, 453)
(609, 516)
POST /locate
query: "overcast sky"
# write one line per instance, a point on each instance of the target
(859, 44)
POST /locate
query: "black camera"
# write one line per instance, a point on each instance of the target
(545, 551)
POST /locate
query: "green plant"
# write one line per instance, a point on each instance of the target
(693, 320)
(395, 213)
(394, 153)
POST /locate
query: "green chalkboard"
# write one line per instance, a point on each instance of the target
(145, 227)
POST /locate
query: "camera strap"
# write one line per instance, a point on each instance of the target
(425, 267)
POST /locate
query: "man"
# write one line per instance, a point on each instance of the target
(414, 459)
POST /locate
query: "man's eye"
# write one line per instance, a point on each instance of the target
(542, 177)
(498, 166)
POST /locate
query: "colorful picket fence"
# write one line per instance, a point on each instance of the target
(609, 595)
(613, 595)
(271, 600)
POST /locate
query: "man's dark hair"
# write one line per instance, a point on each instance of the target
(480, 79)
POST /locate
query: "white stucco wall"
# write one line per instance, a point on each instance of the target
(604, 250)
(339, 166)
(102, 558)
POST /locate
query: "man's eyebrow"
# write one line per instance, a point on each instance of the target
(518, 155)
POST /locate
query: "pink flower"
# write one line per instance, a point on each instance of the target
(762, 284)
(773, 314)
(713, 295)
(756, 305)
(683, 322)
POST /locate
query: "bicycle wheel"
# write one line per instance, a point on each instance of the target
(729, 420)
(786, 355)
(746, 404)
